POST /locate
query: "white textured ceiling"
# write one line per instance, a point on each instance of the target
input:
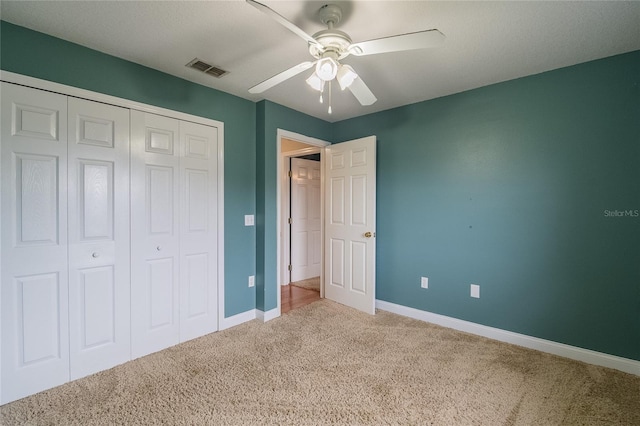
(487, 42)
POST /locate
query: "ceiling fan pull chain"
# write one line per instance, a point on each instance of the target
(329, 97)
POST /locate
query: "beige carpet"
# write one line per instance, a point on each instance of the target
(327, 364)
(310, 284)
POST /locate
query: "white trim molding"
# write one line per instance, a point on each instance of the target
(247, 316)
(585, 355)
(237, 319)
(51, 86)
(268, 315)
(281, 133)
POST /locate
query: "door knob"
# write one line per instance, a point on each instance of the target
(95, 254)
(368, 234)
(158, 248)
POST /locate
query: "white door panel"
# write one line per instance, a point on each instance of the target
(97, 310)
(155, 164)
(36, 191)
(350, 227)
(160, 281)
(198, 231)
(99, 282)
(305, 215)
(38, 317)
(34, 343)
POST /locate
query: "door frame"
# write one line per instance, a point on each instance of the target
(282, 197)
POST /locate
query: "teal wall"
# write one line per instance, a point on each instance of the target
(272, 117)
(504, 186)
(38, 55)
(507, 186)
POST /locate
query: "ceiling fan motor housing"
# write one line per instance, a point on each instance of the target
(330, 41)
(330, 14)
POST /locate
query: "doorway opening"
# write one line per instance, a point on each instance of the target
(300, 225)
(305, 241)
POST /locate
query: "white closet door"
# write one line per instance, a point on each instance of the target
(34, 293)
(198, 230)
(155, 164)
(99, 293)
(306, 243)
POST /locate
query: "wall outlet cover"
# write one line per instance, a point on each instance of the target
(424, 282)
(252, 280)
(475, 291)
(248, 220)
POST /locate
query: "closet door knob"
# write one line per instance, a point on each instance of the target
(158, 248)
(95, 254)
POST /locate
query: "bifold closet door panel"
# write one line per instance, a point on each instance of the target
(34, 288)
(99, 291)
(198, 230)
(155, 174)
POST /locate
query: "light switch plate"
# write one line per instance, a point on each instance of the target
(475, 291)
(424, 282)
(248, 220)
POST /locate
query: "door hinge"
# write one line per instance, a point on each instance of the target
(290, 173)
(290, 221)
(290, 268)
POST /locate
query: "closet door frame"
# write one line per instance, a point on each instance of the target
(125, 103)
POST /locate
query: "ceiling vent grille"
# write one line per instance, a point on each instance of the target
(206, 68)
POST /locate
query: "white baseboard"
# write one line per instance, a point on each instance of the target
(267, 316)
(238, 319)
(248, 316)
(585, 355)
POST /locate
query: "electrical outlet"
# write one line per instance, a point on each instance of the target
(424, 282)
(248, 220)
(475, 291)
(252, 280)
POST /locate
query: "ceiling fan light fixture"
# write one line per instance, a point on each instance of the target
(346, 76)
(315, 82)
(327, 68)
(329, 46)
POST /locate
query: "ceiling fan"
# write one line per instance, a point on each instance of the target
(330, 46)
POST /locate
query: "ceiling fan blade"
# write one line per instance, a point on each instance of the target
(279, 78)
(362, 93)
(419, 40)
(282, 21)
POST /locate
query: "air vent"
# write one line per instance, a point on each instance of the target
(206, 68)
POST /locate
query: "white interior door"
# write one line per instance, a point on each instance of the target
(305, 219)
(350, 214)
(99, 281)
(155, 170)
(34, 293)
(198, 230)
